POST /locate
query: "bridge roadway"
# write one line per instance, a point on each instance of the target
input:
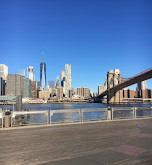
(145, 75)
(99, 143)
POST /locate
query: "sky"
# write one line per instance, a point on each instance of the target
(94, 36)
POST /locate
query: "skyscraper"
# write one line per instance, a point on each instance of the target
(52, 84)
(43, 75)
(3, 70)
(57, 81)
(31, 73)
(142, 85)
(63, 81)
(68, 79)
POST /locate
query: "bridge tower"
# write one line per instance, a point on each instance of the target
(114, 78)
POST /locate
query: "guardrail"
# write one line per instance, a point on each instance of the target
(29, 118)
(21, 118)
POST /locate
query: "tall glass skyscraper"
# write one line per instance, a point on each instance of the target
(43, 75)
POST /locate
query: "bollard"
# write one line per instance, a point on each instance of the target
(7, 119)
(109, 113)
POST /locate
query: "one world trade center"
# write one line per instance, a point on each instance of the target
(43, 75)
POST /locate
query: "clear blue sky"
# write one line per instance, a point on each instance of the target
(94, 36)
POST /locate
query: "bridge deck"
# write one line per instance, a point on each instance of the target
(117, 142)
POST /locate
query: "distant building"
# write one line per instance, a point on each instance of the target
(31, 73)
(2, 86)
(3, 70)
(54, 92)
(142, 85)
(43, 75)
(85, 92)
(27, 88)
(57, 81)
(101, 89)
(62, 75)
(15, 85)
(68, 79)
(38, 84)
(52, 84)
(71, 92)
(44, 94)
(59, 92)
(33, 90)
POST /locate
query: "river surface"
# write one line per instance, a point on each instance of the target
(74, 106)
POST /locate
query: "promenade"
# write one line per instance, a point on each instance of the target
(127, 142)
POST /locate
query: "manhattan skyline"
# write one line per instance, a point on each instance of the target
(93, 36)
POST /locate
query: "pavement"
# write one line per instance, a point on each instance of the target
(126, 142)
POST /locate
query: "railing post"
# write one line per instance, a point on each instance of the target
(108, 113)
(47, 116)
(135, 112)
(11, 119)
(51, 114)
(2, 119)
(112, 113)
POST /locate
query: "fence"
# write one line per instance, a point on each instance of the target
(77, 115)
(29, 118)
(21, 118)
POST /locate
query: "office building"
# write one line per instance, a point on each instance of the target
(52, 84)
(62, 75)
(57, 81)
(31, 73)
(59, 92)
(85, 92)
(27, 88)
(15, 85)
(38, 84)
(44, 94)
(2, 85)
(101, 89)
(43, 75)
(142, 85)
(33, 90)
(68, 79)
(3, 70)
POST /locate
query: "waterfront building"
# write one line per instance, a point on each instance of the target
(101, 89)
(33, 90)
(142, 85)
(43, 75)
(68, 79)
(85, 92)
(57, 81)
(63, 81)
(27, 88)
(15, 85)
(31, 73)
(44, 94)
(59, 92)
(3, 70)
(71, 92)
(52, 84)
(54, 92)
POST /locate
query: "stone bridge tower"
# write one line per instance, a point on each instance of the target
(114, 78)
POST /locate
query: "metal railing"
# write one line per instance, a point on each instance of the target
(122, 113)
(77, 115)
(21, 118)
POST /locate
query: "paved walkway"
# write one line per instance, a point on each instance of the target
(118, 143)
